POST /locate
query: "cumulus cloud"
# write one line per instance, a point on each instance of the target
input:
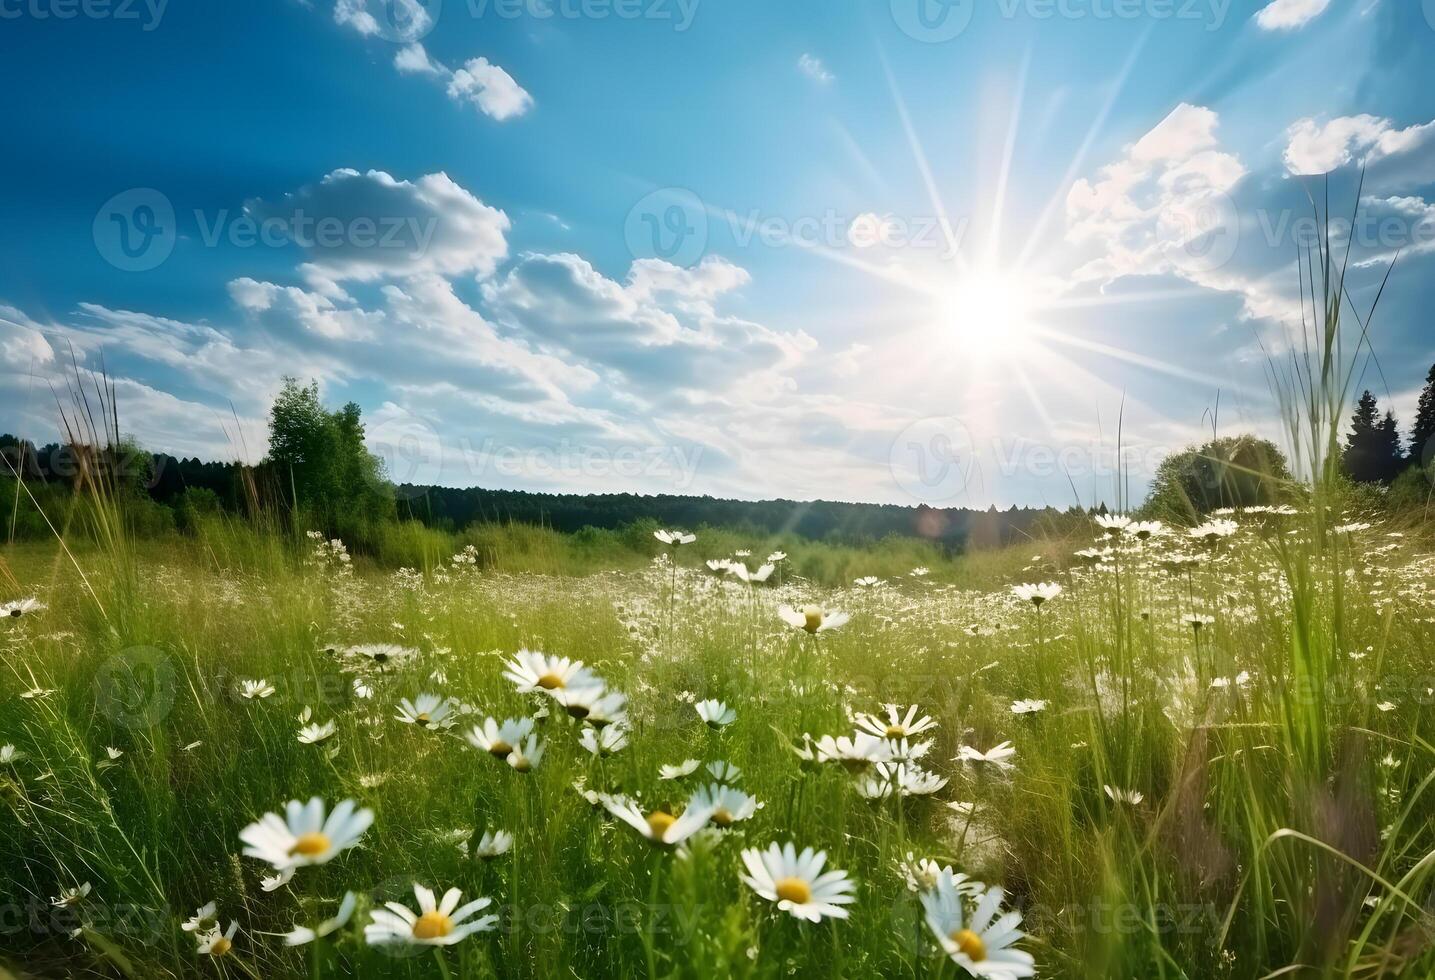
(490, 88)
(813, 68)
(404, 19)
(1289, 15)
(366, 226)
(1315, 148)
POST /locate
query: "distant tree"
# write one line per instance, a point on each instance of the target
(321, 464)
(1372, 448)
(1422, 436)
(1232, 471)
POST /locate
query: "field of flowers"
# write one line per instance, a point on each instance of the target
(1153, 752)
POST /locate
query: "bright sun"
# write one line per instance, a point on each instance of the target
(989, 311)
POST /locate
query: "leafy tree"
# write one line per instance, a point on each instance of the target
(1232, 471)
(1372, 449)
(1422, 437)
(321, 464)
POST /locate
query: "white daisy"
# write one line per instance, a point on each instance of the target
(896, 724)
(728, 805)
(1130, 797)
(381, 654)
(856, 753)
(526, 755)
(203, 920)
(812, 619)
(715, 714)
(685, 768)
(500, 739)
(610, 709)
(300, 935)
(70, 897)
(9, 754)
(796, 882)
(1030, 707)
(21, 607)
(724, 772)
(314, 734)
(604, 741)
(254, 690)
(579, 701)
(901, 779)
(982, 944)
(659, 827)
(493, 843)
(996, 755)
(531, 671)
(1036, 593)
(427, 711)
(216, 943)
(675, 538)
(867, 581)
(439, 923)
(303, 836)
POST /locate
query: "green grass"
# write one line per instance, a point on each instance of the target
(1274, 831)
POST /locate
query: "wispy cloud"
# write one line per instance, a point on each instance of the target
(812, 66)
(1289, 15)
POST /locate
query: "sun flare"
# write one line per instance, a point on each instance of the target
(988, 312)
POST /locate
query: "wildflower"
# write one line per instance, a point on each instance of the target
(922, 874)
(37, 692)
(1197, 620)
(531, 671)
(1213, 531)
(9, 754)
(796, 882)
(21, 607)
(493, 843)
(685, 768)
(901, 750)
(1036, 593)
(1130, 797)
(216, 943)
(982, 944)
(896, 725)
(314, 734)
(437, 924)
(272, 883)
(526, 756)
(921, 571)
(604, 741)
(70, 897)
(303, 836)
(1112, 524)
(777, 556)
(715, 714)
(1027, 707)
(740, 572)
(718, 565)
(300, 935)
(675, 538)
(579, 701)
(428, 711)
(1145, 530)
(724, 772)
(203, 920)
(904, 780)
(728, 805)
(867, 581)
(499, 740)
(382, 653)
(997, 755)
(255, 690)
(659, 827)
(812, 619)
(610, 709)
(856, 753)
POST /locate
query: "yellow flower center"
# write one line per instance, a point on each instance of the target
(433, 925)
(310, 845)
(659, 822)
(220, 947)
(549, 681)
(812, 618)
(793, 890)
(896, 731)
(577, 711)
(423, 718)
(722, 818)
(971, 944)
(521, 764)
(500, 748)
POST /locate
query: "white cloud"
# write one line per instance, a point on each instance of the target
(1288, 15)
(813, 68)
(413, 59)
(407, 19)
(490, 88)
(366, 226)
(1313, 148)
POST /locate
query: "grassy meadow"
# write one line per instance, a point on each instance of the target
(1220, 757)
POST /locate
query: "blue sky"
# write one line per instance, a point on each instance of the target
(900, 250)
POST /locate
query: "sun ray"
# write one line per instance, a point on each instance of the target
(1008, 150)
